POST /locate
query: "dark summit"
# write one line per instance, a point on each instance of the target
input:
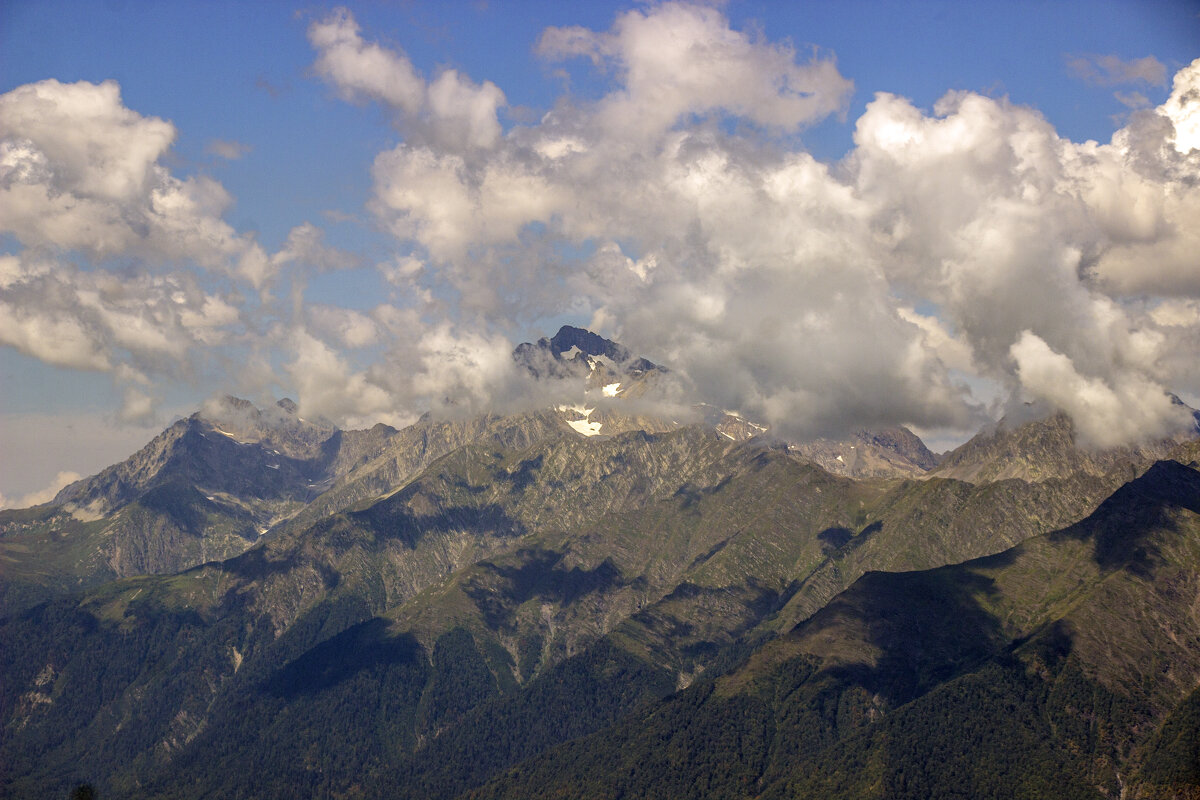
(546, 358)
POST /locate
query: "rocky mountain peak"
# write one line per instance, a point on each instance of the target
(278, 426)
(882, 452)
(1039, 449)
(591, 344)
(576, 352)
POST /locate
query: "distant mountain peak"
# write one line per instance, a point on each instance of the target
(592, 344)
(1039, 448)
(866, 453)
(576, 352)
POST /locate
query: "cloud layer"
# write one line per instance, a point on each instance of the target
(957, 259)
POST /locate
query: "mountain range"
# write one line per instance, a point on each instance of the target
(591, 600)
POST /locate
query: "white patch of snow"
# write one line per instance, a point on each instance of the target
(209, 497)
(612, 390)
(839, 458)
(584, 427)
(272, 466)
(231, 436)
(727, 436)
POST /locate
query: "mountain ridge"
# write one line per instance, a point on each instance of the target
(497, 606)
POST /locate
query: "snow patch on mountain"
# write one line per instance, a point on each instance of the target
(584, 426)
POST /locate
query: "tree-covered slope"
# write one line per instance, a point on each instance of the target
(1063, 667)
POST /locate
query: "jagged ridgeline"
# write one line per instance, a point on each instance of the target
(589, 601)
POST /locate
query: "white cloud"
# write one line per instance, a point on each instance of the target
(360, 69)
(771, 281)
(1106, 412)
(351, 329)
(62, 342)
(678, 59)
(131, 326)
(1132, 99)
(329, 387)
(122, 258)
(137, 407)
(1183, 109)
(451, 110)
(80, 171)
(1144, 190)
(438, 200)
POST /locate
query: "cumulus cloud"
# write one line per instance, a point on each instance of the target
(126, 268)
(1107, 413)
(1036, 248)
(746, 270)
(80, 171)
(329, 387)
(785, 287)
(349, 328)
(1183, 109)
(450, 109)
(1143, 190)
(128, 326)
(679, 59)
(362, 69)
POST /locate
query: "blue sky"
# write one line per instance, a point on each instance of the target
(372, 288)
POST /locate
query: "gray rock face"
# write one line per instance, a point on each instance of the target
(567, 353)
(1040, 450)
(888, 452)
